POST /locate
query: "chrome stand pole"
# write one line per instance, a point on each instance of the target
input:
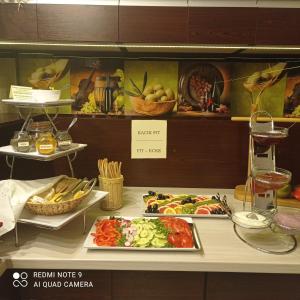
(70, 163)
(50, 119)
(84, 222)
(10, 165)
(16, 236)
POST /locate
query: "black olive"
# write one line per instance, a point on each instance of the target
(194, 201)
(160, 197)
(151, 193)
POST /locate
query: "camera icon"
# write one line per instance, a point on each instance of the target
(20, 279)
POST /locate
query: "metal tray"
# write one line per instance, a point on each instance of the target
(89, 244)
(58, 221)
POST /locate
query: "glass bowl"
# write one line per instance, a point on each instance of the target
(286, 222)
(271, 180)
(265, 180)
(271, 137)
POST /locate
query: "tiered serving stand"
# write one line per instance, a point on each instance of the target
(26, 109)
(256, 226)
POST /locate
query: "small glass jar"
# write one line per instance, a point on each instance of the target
(46, 143)
(21, 141)
(35, 128)
(64, 140)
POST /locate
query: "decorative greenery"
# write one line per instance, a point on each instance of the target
(138, 92)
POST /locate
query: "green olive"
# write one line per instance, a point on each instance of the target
(158, 87)
(151, 97)
(159, 93)
(148, 90)
(170, 94)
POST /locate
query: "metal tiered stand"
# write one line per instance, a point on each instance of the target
(26, 109)
(256, 226)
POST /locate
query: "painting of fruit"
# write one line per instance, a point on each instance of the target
(151, 100)
(151, 87)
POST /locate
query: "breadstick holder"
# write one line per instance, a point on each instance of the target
(114, 187)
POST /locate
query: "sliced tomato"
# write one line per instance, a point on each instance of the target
(180, 240)
(181, 235)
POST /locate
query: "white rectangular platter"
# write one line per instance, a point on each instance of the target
(56, 222)
(187, 216)
(214, 216)
(8, 150)
(89, 244)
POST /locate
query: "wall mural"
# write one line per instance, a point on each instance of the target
(153, 88)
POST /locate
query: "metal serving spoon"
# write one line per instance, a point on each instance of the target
(72, 123)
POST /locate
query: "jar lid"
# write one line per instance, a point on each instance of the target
(40, 126)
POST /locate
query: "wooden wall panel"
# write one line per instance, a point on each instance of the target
(201, 153)
(137, 285)
(237, 286)
(152, 24)
(278, 26)
(222, 25)
(18, 24)
(91, 23)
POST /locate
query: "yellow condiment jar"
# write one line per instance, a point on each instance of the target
(46, 143)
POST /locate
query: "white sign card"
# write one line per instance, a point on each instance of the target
(148, 139)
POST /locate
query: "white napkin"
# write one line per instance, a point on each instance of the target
(13, 196)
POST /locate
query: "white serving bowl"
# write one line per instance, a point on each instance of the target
(45, 95)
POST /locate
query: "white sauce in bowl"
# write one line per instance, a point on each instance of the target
(242, 219)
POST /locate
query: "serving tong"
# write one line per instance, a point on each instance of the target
(224, 204)
(84, 185)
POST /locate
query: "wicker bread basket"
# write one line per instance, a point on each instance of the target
(52, 209)
(152, 108)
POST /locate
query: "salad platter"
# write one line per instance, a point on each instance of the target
(184, 205)
(143, 233)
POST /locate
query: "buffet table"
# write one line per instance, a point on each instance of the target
(222, 250)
